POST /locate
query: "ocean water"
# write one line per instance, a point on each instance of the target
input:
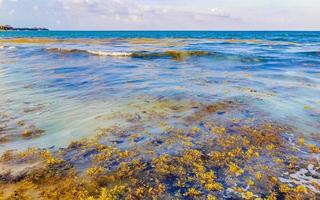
(67, 79)
(61, 86)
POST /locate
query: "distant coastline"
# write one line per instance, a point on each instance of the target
(10, 28)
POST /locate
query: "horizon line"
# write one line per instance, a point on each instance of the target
(181, 30)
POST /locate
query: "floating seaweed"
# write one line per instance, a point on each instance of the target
(250, 160)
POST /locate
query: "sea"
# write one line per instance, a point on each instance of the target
(57, 87)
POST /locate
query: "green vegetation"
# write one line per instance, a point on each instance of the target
(10, 28)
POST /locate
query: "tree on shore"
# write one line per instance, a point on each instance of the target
(6, 27)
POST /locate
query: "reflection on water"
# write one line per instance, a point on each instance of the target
(200, 116)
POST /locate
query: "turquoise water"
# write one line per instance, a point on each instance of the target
(293, 36)
(63, 83)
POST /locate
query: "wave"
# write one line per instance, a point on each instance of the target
(171, 54)
(7, 47)
(310, 53)
(104, 53)
(178, 55)
(65, 51)
(90, 52)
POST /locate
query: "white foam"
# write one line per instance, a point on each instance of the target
(104, 53)
(8, 47)
(302, 177)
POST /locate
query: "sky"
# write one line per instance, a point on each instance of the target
(162, 14)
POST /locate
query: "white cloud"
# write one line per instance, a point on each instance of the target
(219, 12)
(116, 14)
(125, 9)
(151, 14)
(126, 14)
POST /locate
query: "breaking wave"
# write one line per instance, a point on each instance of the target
(143, 54)
(97, 53)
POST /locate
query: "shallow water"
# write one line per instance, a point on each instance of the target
(67, 79)
(59, 87)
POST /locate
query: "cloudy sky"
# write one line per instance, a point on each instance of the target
(163, 14)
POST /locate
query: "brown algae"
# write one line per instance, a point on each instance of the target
(206, 159)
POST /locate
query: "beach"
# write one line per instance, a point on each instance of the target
(159, 115)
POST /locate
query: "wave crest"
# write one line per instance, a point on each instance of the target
(177, 55)
(7, 47)
(103, 53)
(91, 52)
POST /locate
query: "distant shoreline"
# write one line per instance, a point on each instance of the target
(10, 28)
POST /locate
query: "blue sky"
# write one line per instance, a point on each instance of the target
(163, 14)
